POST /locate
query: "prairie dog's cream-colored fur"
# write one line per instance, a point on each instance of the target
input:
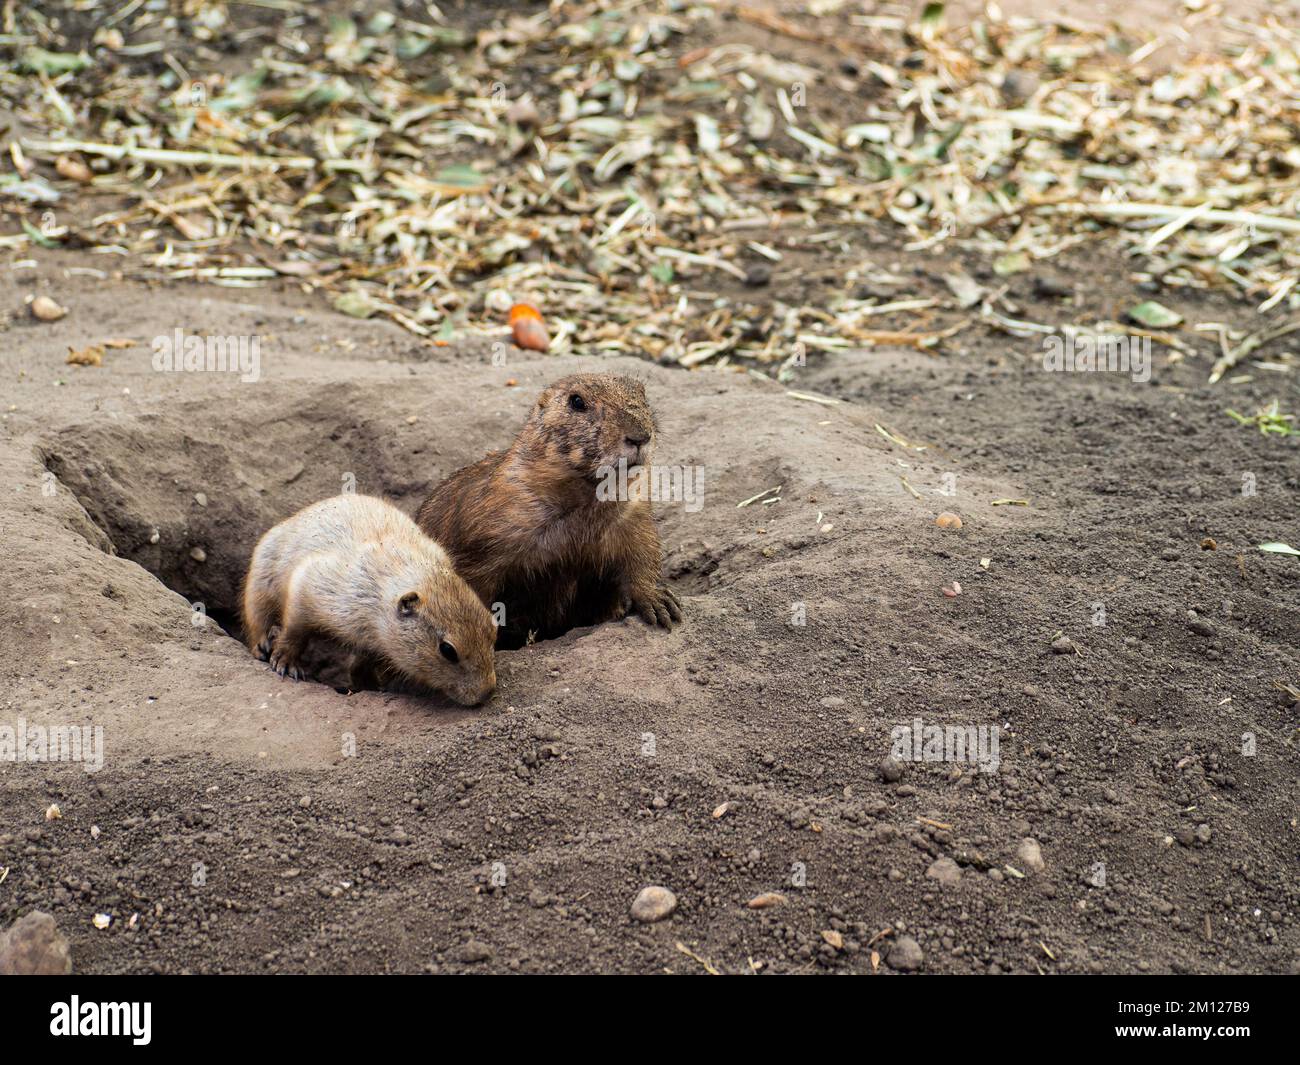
(358, 570)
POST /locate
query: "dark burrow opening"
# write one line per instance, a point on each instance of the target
(189, 507)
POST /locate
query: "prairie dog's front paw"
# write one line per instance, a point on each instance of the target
(285, 664)
(658, 606)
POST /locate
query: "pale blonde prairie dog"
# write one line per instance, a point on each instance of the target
(358, 570)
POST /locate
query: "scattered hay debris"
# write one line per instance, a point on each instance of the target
(637, 178)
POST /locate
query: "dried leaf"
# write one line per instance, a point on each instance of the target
(1279, 548)
(1155, 315)
(92, 355)
(766, 900)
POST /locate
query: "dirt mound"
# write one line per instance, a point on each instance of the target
(247, 822)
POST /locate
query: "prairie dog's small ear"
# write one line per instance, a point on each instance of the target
(407, 604)
(545, 398)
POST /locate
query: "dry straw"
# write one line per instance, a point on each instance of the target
(659, 177)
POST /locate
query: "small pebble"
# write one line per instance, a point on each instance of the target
(1030, 855)
(653, 903)
(1018, 86)
(905, 955)
(46, 310)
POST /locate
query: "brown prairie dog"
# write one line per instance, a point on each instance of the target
(527, 528)
(358, 570)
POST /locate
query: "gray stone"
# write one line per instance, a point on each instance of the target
(34, 947)
(905, 955)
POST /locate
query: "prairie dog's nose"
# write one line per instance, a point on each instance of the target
(636, 438)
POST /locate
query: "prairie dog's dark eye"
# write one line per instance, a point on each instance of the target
(448, 652)
(576, 402)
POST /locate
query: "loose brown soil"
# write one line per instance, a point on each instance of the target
(247, 823)
(596, 768)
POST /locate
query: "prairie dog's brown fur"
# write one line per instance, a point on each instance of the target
(358, 570)
(526, 528)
